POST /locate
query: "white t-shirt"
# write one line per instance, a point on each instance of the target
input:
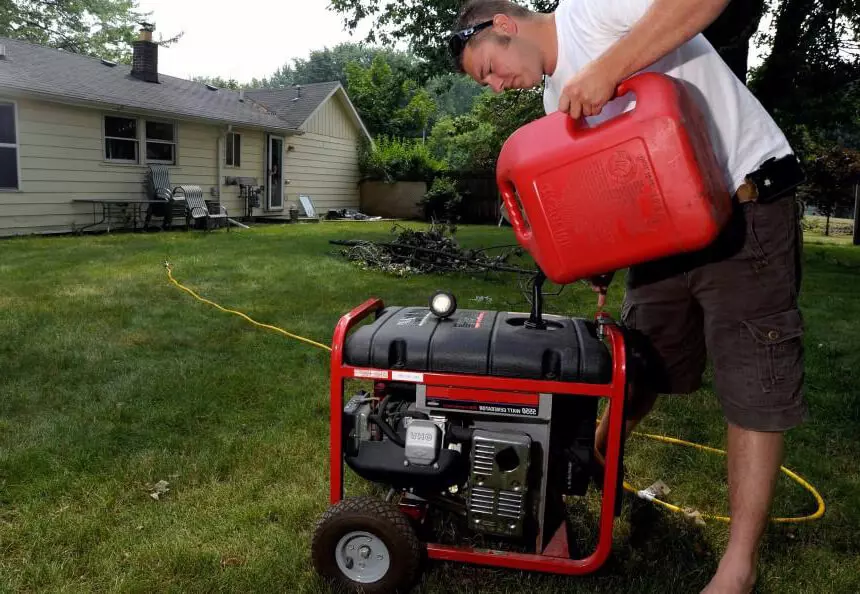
(742, 133)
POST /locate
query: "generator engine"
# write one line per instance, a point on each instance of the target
(502, 456)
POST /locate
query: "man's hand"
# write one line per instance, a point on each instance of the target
(600, 284)
(588, 91)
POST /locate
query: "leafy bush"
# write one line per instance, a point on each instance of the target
(395, 159)
(442, 201)
(464, 143)
(472, 142)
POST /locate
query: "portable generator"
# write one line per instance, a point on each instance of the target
(484, 418)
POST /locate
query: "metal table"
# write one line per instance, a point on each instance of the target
(108, 204)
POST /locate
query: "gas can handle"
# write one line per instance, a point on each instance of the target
(644, 84)
(512, 206)
(638, 84)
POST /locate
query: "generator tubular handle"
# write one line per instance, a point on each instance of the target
(348, 321)
(344, 325)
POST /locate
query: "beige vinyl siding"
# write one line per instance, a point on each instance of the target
(252, 153)
(331, 119)
(324, 164)
(62, 158)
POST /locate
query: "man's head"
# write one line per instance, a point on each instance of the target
(494, 44)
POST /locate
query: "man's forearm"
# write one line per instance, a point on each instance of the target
(666, 25)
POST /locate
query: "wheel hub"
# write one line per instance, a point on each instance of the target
(362, 557)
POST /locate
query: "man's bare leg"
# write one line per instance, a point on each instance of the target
(754, 459)
(636, 409)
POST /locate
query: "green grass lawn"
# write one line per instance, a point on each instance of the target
(113, 380)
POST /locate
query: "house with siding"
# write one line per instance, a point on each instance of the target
(75, 127)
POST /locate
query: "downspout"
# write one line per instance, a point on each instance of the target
(222, 141)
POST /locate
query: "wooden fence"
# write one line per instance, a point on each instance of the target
(481, 200)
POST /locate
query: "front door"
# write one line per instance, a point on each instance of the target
(275, 174)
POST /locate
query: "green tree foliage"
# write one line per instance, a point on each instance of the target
(329, 64)
(454, 94)
(389, 103)
(472, 142)
(418, 112)
(395, 159)
(442, 200)
(102, 28)
(217, 81)
(464, 143)
(810, 81)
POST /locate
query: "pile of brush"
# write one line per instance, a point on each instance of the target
(432, 251)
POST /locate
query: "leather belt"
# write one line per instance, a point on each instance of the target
(773, 180)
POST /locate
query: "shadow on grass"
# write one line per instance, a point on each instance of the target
(651, 551)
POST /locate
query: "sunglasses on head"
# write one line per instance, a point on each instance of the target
(458, 41)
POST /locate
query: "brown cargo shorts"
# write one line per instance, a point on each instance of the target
(736, 301)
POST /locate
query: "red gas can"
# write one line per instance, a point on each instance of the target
(639, 186)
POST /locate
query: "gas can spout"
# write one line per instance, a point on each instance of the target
(535, 320)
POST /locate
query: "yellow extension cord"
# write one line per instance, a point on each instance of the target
(240, 314)
(672, 440)
(627, 486)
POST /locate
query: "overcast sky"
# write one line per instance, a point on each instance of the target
(249, 39)
(242, 39)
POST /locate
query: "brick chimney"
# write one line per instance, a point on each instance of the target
(144, 63)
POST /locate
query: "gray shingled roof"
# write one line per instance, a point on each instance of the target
(51, 73)
(292, 107)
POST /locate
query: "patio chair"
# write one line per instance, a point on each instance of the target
(197, 209)
(158, 188)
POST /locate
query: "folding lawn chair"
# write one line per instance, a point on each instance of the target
(197, 209)
(158, 188)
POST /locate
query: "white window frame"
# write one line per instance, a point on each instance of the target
(16, 146)
(173, 142)
(140, 141)
(233, 165)
(135, 140)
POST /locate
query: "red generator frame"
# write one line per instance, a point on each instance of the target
(555, 557)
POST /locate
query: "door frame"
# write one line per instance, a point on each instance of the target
(270, 140)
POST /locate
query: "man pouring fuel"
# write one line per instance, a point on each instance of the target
(735, 300)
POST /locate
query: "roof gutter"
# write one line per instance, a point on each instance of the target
(77, 102)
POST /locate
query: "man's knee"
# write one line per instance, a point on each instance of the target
(639, 402)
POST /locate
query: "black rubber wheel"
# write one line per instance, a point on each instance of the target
(363, 544)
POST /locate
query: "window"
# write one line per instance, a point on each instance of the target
(234, 150)
(160, 143)
(120, 139)
(8, 147)
(123, 136)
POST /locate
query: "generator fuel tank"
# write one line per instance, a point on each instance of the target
(481, 342)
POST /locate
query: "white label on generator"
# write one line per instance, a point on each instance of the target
(407, 376)
(370, 373)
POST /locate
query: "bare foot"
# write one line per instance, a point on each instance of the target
(732, 577)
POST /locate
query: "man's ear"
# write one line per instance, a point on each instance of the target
(504, 24)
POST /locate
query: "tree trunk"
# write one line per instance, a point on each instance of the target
(730, 34)
(778, 72)
(827, 227)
